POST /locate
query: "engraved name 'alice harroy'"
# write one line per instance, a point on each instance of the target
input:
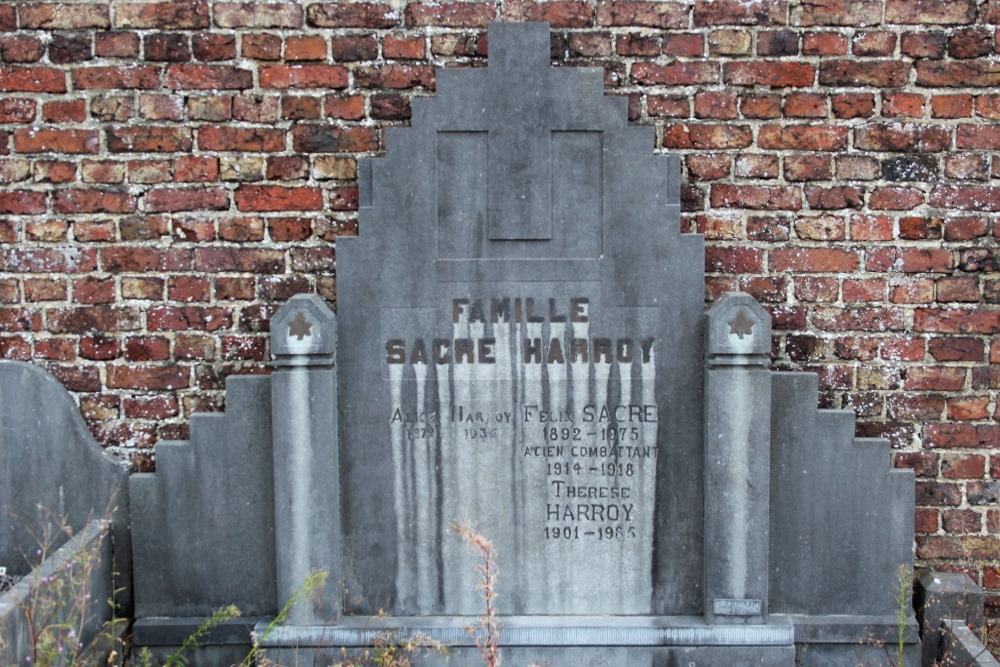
(536, 350)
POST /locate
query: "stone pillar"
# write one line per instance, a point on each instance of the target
(306, 461)
(941, 596)
(737, 460)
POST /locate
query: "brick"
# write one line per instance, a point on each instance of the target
(22, 202)
(150, 289)
(207, 77)
(853, 105)
(195, 169)
(213, 107)
(60, 349)
(65, 49)
(957, 74)
(824, 44)
(174, 15)
(683, 45)
(405, 47)
(909, 260)
(160, 107)
(718, 105)
(902, 349)
(450, 14)
(149, 171)
(978, 259)
(332, 139)
(956, 348)
(303, 76)
(803, 137)
(112, 108)
(558, 13)
(148, 377)
(167, 47)
(17, 110)
(395, 76)
(902, 137)
(970, 43)
(15, 49)
(13, 171)
(816, 290)
(876, 73)
(390, 107)
(61, 111)
(956, 321)
(938, 12)
(313, 47)
(187, 199)
(707, 136)
(966, 197)
(756, 197)
(287, 168)
(729, 42)
(962, 435)
(911, 290)
(858, 168)
(965, 228)
(966, 166)
(871, 228)
(116, 45)
(56, 141)
(193, 230)
(978, 137)
(988, 106)
(261, 47)
(88, 319)
(668, 106)
(778, 43)
(737, 12)
(863, 290)
(58, 16)
(149, 138)
(146, 77)
(93, 201)
(873, 43)
(760, 106)
(935, 379)
(669, 15)
(92, 231)
(812, 260)
(278, 198)
(805, 105)
(931, 44)
(46, 231)
(773, 74)
(820, 228)
(32, 80)
(94, 290)
(228, 259)
(131, 258)
(708, 167)
(836, 197)
(257, 15)
(213, 47)
(837, 12)
(352, 15)
(987, 377)
(907, 105)
(675, 74)
(951, 106)
(830, 318)
(332, 167)
(255, 139)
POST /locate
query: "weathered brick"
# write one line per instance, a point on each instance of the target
(303, 76)
(313, 47)
(957, 74)
(955, 321)
(213, 46)
(115, 78)
(774, 74)
(187, 199)
(837, 12)
(257, 15)
(737, 12)
(32, 80)
(877, 73)
(902, 137)
(395, 76)
(450, 14)
(675, 74)
(93, 201)
(278, 198)
(756, 197)
(149, 139)
(812, 260)
(803, 137)
(148, 377)
(58, 16)
(835, 197)
(978, 136)
(707, 136)
(666, 15)
(921, 12)
(207, 77)
(177, 15)
(256, 139)
(962, 435)
(332, 139)
(975, 198)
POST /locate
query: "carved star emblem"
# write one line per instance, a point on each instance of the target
(741, 325)
(300, 327)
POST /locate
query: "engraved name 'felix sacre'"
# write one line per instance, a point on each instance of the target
(535, 350)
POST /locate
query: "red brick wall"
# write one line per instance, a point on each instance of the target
(173, 171)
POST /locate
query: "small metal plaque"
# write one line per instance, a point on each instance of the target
(737, 607)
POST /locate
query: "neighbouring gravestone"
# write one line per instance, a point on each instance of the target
(521, 343)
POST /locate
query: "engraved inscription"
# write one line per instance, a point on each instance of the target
(723, 607)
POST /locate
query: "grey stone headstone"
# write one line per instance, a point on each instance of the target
(52, 471)
(520, 327)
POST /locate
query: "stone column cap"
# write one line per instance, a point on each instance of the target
(738, 326)
(304, 333)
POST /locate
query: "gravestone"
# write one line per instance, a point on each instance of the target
(521, 344)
